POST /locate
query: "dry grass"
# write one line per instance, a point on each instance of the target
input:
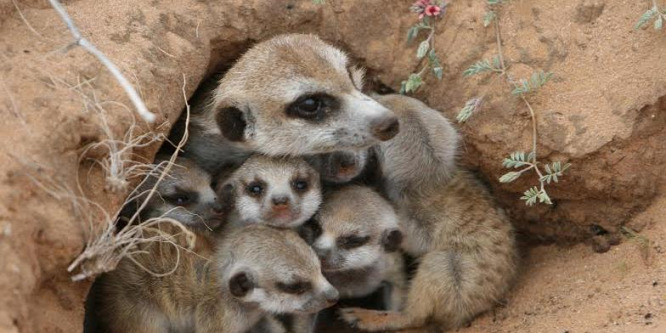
(109, 243)
(104, 252)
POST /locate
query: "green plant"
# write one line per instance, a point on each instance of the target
(429, 12)
(547, 173)
(654, 13)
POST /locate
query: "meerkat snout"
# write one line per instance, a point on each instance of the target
(281, 192)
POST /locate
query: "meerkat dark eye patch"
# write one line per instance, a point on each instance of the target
(255, 188)
(182, 198)
(310, 231)
(313, 107)
(300, 185)
(231, 123)
(240, 284)
(391, 240)
(295, 288)
(351, 242)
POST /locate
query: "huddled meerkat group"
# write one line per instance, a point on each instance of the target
(301, 190)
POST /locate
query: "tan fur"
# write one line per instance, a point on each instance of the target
(359, 271)
(249, 109)
(464, 242)
(197, 296)
(185, 195)
(280, 203)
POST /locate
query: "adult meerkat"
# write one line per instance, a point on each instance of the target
(185, 195)
(463, 241)
(357, 237)
(255, 271)
(281, 192)
(291, 95)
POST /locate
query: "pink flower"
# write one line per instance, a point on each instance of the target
(431, 10)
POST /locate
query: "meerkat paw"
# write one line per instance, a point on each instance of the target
(373, 320)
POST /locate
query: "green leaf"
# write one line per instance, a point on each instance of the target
(518, 160)
(658, 23)
(412, 33)
(433, 58)
(544, 198)
(494, 2)
(413, 83)
(438, 72)
(645, 18)
(489, 18)
(479, 67)
(423, 49)
(470, 107)
(536, 81)
(403, 87)
(496, 62)
(318, 2)
(530, 196)
(553, 172)
(510, 176)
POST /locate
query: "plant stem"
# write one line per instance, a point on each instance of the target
(522, 97)
(499, 43)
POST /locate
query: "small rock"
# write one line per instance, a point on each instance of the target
(589, 10)
(600, 244)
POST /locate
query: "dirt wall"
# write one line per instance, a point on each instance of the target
(603, 111)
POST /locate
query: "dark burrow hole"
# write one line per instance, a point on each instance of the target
(224, 55)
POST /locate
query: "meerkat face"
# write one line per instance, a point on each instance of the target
(186, 195)
(276, 270)
(352, 230)
(296, 95)
(341, 166)
(281, 192)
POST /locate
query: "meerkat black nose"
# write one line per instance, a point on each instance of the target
(332, 295)
(217, 208)
(281, 201)
(347, 162)
(385, 128)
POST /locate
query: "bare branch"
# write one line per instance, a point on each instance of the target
(88, 46)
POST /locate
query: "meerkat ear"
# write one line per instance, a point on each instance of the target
(357, 75)
(231, 121)
(310, 231)
(391, 240)
(240, 284)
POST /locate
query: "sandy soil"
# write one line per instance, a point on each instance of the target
(604, 111)
(576, 290)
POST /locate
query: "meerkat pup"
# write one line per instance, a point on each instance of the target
(255, 271)
(357, 237)
(185, 195)
(464, 243)
(291, 95)
(280, 192)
